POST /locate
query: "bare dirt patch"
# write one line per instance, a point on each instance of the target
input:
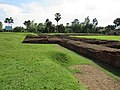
(95, 79)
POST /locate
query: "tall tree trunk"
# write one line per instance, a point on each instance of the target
(57, 27)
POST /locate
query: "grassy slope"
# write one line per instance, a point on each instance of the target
(117, 38)
(35, 67)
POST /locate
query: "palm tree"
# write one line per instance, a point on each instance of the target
(57, 18)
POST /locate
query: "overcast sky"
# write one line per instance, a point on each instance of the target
(39, 10)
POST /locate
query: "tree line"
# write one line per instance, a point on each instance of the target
(75, 26)
(49, 27)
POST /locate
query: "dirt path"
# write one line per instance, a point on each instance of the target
(95, 79)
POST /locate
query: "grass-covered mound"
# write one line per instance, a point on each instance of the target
(35, 67)
(38, 66)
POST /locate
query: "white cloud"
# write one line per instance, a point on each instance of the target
(10, 11)
(104, 10)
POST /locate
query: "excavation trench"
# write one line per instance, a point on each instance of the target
(92, 77)
(100, 52)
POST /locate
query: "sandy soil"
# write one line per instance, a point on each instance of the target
(95, 79)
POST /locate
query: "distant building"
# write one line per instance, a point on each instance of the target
(8, 28)
(8, 22)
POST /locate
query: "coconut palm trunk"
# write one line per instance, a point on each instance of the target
(57, 26)
(57, 18)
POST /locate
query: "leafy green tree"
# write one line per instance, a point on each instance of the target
(61, 28)
(18, 29)
(6, 20)
(117, 22)
(57, 18)
(76, 21)
(33, 27)
(27, 24)
(76, 26)
(109, 29)
(67, 24)
(91, 28)
(100, 30)
(48, 25)
(52, 28)
(30, 26)
(68, 28)
(1, 25)
(9, 22)
(40, 27)
(86, 24)
(87, 21)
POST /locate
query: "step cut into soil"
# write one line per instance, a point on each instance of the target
(96, 49)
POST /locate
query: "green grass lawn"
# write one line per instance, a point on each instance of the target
(37, 66)
(117, 38)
